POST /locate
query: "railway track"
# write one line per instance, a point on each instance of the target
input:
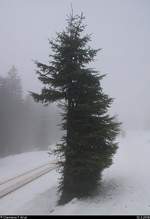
(9, 185)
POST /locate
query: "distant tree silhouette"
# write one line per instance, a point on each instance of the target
(10, 112)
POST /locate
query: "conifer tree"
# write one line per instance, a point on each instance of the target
(88, 145)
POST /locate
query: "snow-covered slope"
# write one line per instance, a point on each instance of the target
(124, 188)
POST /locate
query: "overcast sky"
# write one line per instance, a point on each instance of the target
(120, 27)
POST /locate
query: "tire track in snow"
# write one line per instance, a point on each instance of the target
(12, 184)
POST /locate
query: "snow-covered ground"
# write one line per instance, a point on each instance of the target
(17, 164)
(124, 189)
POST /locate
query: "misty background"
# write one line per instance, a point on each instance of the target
(119, 27)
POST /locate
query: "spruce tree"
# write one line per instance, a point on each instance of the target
(88, 145)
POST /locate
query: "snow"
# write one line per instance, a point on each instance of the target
(124, 189)
(33, 194)
(17, 164)
(37, 197)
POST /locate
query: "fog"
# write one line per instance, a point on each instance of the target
(119, 27)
